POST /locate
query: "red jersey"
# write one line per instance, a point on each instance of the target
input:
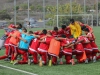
(79, 46)
(66, 50)
(91, 37)
(68, 32)
(44, 46)
(87, 46)
(94, 46)
(55, 34)
(92, 41)
(61, 31)
(34, 45)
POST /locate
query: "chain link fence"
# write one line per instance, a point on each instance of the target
(46, 13)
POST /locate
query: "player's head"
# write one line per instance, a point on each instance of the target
(24, 30)
(72, 21)
(30, 32)
(11, 26)
(18, 26)
(44, 31)
(63, 27)
(49, 33)
(63, 36)
(55, 29)
(86, 30)
(83, 28)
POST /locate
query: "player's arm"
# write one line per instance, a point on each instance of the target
(37, 36)
(79, 41)
(66, 45)
(42, 41)
(22, 39)
(13, 35)
(11, 28)
(87, 36)
(87, 42)
(43, 37)
(59, 38)
(70, 45)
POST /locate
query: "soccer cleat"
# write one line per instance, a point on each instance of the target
(40, 63)
(11, 62)
(29, 61)
(94, 59)
(86, 61)
(6, 59)
(50, 63)
(15, 62)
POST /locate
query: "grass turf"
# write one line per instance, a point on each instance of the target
(78, 69)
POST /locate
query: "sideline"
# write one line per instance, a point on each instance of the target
(18, 70)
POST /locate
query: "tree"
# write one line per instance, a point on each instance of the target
(4, 15)
(32, 7)
(17, 7)
(63, 9)
(39, 8)
(24, 6)
(99, 6)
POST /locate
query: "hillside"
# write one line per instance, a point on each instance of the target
(9, 3)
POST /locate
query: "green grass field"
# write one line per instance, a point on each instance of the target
(78, 69)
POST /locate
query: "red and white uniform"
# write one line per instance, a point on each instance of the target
(79, 50)
(79, 46)
(93, 44)
(43, 48)
(87, 46)
(33, 50)
(66, 51)
(7, 47)
(13, 42)
(24, 54)
(6, 44)
(67, 32)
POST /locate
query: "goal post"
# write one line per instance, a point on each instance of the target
(64, 19)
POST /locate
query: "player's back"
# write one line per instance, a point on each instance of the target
(25, 45)
(14, 40)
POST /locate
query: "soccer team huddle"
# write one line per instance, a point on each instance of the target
(34, 47)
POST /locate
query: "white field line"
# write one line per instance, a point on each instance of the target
(18, 70)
